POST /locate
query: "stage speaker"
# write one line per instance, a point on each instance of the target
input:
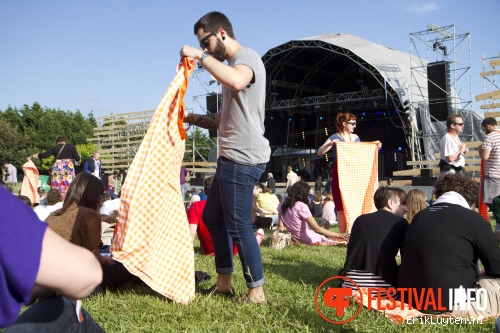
(214, 104)
(423, 181)
(425, 172)
(439, 89)
(196, 182)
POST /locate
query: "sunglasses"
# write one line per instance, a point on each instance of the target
(204, 40)
(353, 123)
(459, 124)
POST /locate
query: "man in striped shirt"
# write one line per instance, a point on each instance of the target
(490, 152)
(375, 241)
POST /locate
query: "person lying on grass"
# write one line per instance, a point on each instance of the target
(296, 216)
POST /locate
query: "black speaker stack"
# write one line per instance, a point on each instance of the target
(439, 89)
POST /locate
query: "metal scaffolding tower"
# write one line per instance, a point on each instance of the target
(450, 45)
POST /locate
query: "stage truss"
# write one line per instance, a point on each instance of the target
(450, 44)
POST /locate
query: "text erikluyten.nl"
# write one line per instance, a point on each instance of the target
(443, 321)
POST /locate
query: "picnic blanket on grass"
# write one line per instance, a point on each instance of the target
(358, 178)
(152, 235)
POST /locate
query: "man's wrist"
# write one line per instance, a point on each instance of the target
(204, 55)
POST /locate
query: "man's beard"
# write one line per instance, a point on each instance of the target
(219, 51)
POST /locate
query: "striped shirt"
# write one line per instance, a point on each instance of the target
(492, 143)
(366, 279)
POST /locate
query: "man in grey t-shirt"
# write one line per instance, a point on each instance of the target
(243, 150)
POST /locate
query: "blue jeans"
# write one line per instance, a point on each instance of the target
(228, 217)
(52, 315)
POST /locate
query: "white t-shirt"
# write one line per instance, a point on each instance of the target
(449, 146)
(43, 211)
(109, 206)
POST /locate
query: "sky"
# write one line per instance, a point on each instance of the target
(118, 56)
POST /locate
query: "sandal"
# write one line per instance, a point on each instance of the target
(213, 290)
(200, 277)
(245, 299)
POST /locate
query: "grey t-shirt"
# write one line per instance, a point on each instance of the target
(241, 129)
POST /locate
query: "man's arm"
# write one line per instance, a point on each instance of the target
(235, 78)
(209, 121)
(483, 153)
(67, 268)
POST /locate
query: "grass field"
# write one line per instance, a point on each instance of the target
(292, 276)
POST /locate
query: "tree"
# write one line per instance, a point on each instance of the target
(202, 144)
(40, 128)
(13, 144)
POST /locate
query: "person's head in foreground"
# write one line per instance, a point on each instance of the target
(391, 199)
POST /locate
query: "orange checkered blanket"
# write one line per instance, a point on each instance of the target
(152, 235)
(358, 178)
(30, 182)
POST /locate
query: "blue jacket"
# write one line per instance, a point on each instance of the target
(89, 166)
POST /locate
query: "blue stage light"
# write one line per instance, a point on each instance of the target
(399, 148)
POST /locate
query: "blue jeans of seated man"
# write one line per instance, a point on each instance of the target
(228, 217)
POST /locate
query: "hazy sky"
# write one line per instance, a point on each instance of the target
(116, 56)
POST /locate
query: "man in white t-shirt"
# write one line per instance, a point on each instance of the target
(291, 177)
(54, 202)
(452, 150)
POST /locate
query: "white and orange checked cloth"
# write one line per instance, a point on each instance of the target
(358, 178)
(152, 235)
(30, 182)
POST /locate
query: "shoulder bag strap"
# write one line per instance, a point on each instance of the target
(59, 153)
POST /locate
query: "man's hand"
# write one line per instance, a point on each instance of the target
(191, 52)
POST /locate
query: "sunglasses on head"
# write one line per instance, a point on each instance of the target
(353, 123)
(204, 40)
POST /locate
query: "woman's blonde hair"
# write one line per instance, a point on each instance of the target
(328, 197)
(415, 202)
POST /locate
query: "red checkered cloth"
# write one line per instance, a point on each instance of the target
(358, 178)
(152, 236)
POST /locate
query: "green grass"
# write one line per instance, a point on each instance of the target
(292, 276)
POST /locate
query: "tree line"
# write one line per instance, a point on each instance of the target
(32, 129)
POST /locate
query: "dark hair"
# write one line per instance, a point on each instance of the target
(382, 196)
(207, 183)
(213, 21)
(489, 121)
(54, 196)
(343, 118)
(259, 185)
(463, 185)
(451, 120)
(25, 199)
(267, 190)
(85, 190)
(61, 138)
(401, 194)
(297, 192)
(280, 198)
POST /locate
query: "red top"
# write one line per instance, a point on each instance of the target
(194, 217)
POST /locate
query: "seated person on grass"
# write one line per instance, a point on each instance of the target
(442, 246)
(196, 224)
(47, 270)
(297, 218)
(54, 202)
(375, 241)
